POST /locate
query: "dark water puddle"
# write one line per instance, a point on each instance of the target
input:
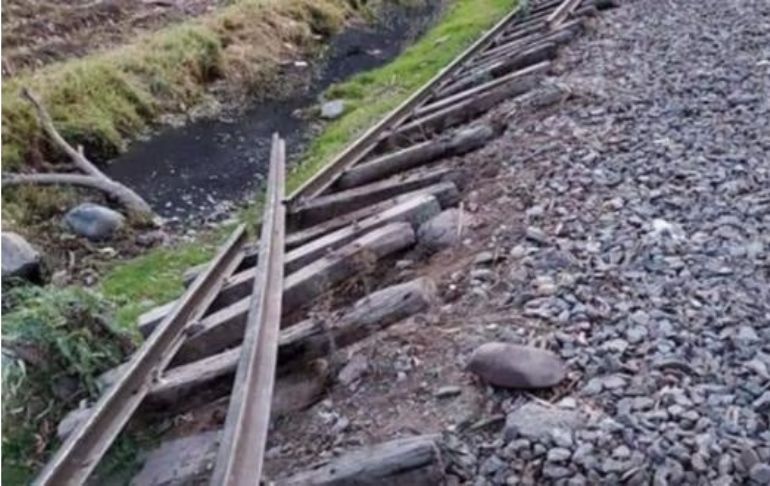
(190, 171)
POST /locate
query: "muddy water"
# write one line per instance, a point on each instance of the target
(195, 170)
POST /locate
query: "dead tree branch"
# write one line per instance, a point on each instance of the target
(93, 178)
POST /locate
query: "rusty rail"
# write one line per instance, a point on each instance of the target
(240, 456)
(77, 457)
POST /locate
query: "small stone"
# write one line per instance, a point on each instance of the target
(535, 421)
(762, 404)
(613, 382)
(516, 366)
(621, 452)
(20, 259)
(441, 231)
(448, 391)
(332, 109)
(558, 454)
(536, 234)
(760, 474)
(353, 370)
(562, 438)
(616, 345)
(555, 472)
(747, 334)
(636, 334)
(484, 258)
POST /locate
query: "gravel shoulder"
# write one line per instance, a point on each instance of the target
(626, 230)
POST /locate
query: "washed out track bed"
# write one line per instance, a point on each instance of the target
(262, 322)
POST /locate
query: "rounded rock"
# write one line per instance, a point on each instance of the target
(516, 366)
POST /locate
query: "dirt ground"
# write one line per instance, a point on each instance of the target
(38, 32)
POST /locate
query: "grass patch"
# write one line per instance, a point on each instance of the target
(153, 279)
(62, 340)
(370, 95)
(104, 99)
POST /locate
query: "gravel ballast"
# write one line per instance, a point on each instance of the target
(649, 190)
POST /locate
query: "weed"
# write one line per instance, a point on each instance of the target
(61, 341)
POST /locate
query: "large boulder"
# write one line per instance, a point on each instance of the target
(20, 259)
(93, 221)
(515, 366)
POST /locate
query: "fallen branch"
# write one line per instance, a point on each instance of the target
(93, 178)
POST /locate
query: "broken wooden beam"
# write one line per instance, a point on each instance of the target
(326, 207)
(446, 193)
(533, 55)
(565, 33)
(238, 287)
(427, 126)
(205, 364)
(302, 342)
(408, 461)
(537, 69)
(460, 142)
(310, 338)
(357, 257)
(414, 211)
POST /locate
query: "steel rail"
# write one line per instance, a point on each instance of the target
(77, 457)
(241, 452)
(363, 145)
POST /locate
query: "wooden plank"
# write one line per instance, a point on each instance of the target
(330, 206)
(411, 461)
(562, 12)
(563, 34)
(460, 142)
(462, 112)
(537, 69)
(414, 211)
(358, 257)
(533, 55)
(310, 338)
(304, 341)
(446, 193)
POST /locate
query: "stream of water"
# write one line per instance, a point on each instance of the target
(195, 170)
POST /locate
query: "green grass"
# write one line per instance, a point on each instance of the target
(369, 96)
(152, 279)
(65, 339)
(105, 99)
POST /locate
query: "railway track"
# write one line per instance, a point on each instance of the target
(246, 315)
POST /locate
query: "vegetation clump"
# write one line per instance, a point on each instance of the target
(56, 342)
